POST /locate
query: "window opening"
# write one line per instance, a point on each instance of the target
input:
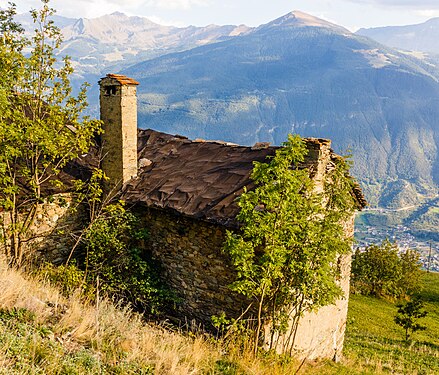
(110, 90)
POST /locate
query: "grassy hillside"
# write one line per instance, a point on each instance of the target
(376, 343)
(42, 332)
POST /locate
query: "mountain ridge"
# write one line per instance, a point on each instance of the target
(117, 40)
(312, 80)
(297, 18)
(297, 73)
(417, 37)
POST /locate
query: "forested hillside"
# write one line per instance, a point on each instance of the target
(299, 74)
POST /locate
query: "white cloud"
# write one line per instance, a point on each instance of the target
(88, 8)
(161, 4)
(413, 4)
(176, 4)
(94, 8)
(430, 13)
(166, 22)
(364, 13)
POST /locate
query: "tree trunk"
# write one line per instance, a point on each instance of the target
(258, 330)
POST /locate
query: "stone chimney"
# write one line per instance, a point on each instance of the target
(118, 102)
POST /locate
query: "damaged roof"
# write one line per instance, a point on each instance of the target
(202, 179)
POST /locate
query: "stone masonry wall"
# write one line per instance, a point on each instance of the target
(119, 114)
(320, 334)
(195, 267)
(52, 231)
(191, 253)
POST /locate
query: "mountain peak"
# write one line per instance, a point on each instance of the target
(118, 14)
(301, 19)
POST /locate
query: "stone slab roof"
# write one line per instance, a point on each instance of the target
(123, 80)
(201, 179)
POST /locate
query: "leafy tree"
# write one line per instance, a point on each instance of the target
(41, 126)
(108, 256)
(380, 270)
(42, 129)
(286, 252)
(407, 316)
(410, 281)
(376, 270)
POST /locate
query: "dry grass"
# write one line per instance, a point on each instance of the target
(52, 334)
(112, 334)
(72, 337)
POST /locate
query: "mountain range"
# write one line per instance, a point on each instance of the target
(295, 74)
(300, 74)
(421, 37)
(116, 40)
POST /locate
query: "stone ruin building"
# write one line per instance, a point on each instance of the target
(185, 193)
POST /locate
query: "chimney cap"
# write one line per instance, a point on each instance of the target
(123, 80)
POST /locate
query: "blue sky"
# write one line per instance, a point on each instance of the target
(351, 14)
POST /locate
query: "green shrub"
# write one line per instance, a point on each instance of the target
(20, 315)
(380, 270)
(68, 278)
(115, 263)
(225, 367)
(411, 271)
(109, 261)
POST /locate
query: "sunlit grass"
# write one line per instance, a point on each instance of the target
(41, 332)
(375, 341)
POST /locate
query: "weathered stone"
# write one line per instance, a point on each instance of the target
(201, 273)
(49, 233)
(190, 248)
(118, 103)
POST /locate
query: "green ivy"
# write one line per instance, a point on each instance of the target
(114, 261)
